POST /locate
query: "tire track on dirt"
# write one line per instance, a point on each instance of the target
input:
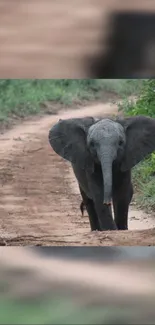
(39, 198)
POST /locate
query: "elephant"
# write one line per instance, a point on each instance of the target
(102, 152)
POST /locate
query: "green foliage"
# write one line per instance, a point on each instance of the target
(144, 173)
(24, 96)
(144, 180)
(145, 105)
(61, 311)
(126, 105)
(123, 87)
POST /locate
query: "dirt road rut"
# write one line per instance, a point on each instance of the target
(39, 197)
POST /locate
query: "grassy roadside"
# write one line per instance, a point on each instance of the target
(62, 311)
(24, 97)
(144, 172)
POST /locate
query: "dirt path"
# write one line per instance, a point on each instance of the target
(39, 198)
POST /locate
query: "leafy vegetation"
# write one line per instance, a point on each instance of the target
(61, 311)
(123, 87)
(23, 96)
(144, 172)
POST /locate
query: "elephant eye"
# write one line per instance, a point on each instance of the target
(92, 145)
(120, 142)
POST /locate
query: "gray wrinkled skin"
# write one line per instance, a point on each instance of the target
(102, 153)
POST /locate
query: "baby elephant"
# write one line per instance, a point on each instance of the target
(102, 153)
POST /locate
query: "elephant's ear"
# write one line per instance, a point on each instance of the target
(68, 140)
(140, 140)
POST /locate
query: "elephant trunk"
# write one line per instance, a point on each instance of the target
(106, 164)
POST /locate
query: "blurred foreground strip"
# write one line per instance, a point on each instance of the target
(87, 292)
(61, 39)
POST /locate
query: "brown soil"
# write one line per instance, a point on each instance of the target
(39, 197)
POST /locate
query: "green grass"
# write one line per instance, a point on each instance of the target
(23, 97)
(123, 87)
(144, 172)
(144, 181)
(59, 311)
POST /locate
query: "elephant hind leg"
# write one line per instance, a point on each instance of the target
(89, 205)
(82, 208)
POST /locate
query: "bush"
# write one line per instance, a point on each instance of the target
(24, 96)
(144, 172)
(145, 105)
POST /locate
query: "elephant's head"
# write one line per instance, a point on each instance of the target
(84, 141)
(106, 141)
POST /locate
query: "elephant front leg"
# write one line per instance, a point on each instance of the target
(103, 211)
(122, 196)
